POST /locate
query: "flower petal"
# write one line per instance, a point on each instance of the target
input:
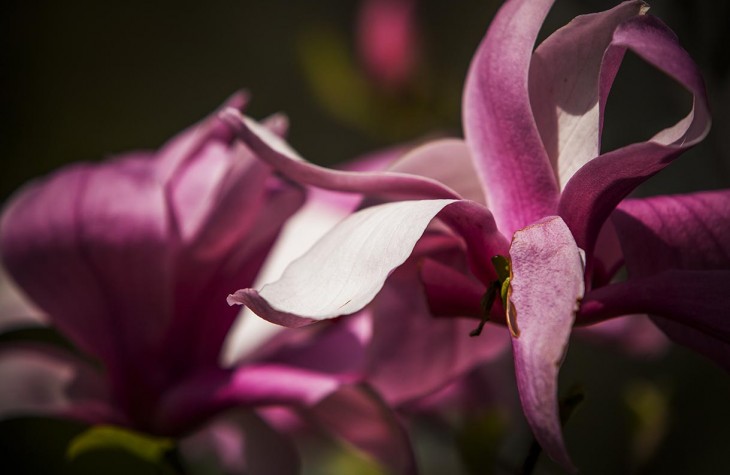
(357, 415)
(677, 252)
(595, 190)
(564, 83)
(93, 246)
(513, 165)
(689, 306)
(241, 442)
(411, 354)
(447, 161)
(546, 287)
(215, 390)
(346, 269)
(286, 161)
(41, 379)
(689, 231)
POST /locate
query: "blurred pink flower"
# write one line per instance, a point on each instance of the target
(540, 192)
(132, 259)
(387, 39)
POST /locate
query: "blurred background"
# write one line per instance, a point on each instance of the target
(85, 80)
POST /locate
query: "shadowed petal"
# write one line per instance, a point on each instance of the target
(595, 190)
(677, 252)
(690, 306)
(216, 390)
(513, 165)
(358, 416)
(412, 354)
(545, 289)
(286, 161)
(39, 378)
(240, 442)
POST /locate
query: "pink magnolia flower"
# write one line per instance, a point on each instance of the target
(533, 122)
(131, 259)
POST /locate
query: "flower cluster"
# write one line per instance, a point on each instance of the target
(447, 253)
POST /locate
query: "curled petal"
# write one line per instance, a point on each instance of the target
(678, 259)
(564, 84)
(214, 391)
(498, 122)
(546, 288)
(286, 161)
(689, 231)
(690, 306)
(594, 191)
(353, 261)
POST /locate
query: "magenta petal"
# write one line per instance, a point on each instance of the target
(358, 416)
(513, 165)
(595, 190)
(545, 290)
(564, 83)
(689, 231)
(286, 161)
(677, 252)
(689, 306)
(214, 391)
(449, 292)
(45, 243)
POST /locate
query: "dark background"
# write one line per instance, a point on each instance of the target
(84, 80)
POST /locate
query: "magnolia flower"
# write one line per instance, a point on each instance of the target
(131, 259)
(533, 124)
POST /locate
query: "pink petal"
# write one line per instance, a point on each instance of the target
(634, 335)
(214, 391)
(564, 83)
(595, 190)
(353, 261)
(358, 416)
(44, 248)
(545, 290)
(449, 292)
(513, 165)
(447, 161)
(412, 354)
(286, 161)
(690, 306)
(678, 257)
(675, 232)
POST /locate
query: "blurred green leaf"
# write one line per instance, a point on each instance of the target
(146, 447)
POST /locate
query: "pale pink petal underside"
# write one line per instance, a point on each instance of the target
(546, 288)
